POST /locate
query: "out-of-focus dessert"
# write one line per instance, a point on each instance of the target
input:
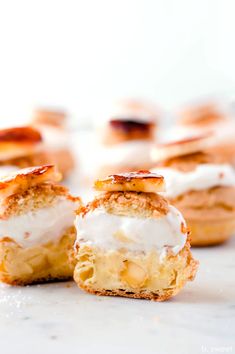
(37, 230)
(21, 147)
(126, 137)
(131, 242)
(52, 125)
(211, 116)
(202, 116)
(200, 186)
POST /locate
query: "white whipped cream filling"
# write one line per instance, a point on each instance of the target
(133, 153)
(112, 232)
(40, 226)
(203, 177)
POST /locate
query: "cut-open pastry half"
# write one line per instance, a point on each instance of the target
(37, 230)
(131, 242)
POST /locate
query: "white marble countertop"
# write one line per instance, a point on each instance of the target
(60, 318)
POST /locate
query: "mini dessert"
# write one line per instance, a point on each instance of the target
(127, 137)
(212, 118)
(52, 126)
(201, 187)
(21, 147)
(131, 242)
(204, 116)
(36, 227)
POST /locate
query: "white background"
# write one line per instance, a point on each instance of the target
(78, 54)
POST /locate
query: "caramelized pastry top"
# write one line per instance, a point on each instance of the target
(140, 181)
(21, 180)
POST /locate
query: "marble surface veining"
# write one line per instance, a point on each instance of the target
(59, 318)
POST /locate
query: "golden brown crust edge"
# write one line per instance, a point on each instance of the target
(138, 181)
(28, 177)
(122, 293)
(128, 203)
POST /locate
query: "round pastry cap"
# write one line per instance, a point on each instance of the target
(18, 141)
(22, 179)
(140, 181)
(182, 147)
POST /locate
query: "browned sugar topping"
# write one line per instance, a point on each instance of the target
(30, 171)
(20, 135)
(128, 176)
(129, 125)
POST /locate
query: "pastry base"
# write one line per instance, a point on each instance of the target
(134, 275)
(37, 264)
(209, 233)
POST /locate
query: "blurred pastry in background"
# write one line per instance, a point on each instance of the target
(200, 186)
(131, 242)
(36, 227)
(126, 137)
(199, 118)
(21, 147)
(56, 140)
(202, 116)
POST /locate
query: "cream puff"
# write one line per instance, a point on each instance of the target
(53, 128)
(201, 187)
(126, 137)
(131, 242)
(37, 230)
(213, 118)
(21, 147)
(205, 116)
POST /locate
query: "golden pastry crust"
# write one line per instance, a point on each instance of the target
(139, 181)
(23, 179)
(42, 263)
(141, 276)
(202, 115)
(39, 196)
(55, 118)
(207, 204)
(210, 232)
(209, 213)
(129, 204)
